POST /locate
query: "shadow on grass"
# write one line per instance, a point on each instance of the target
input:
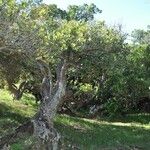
(9, 120)
(143, 118)
(89, 134)
(96, 135)
(8, 112)
(139, 118)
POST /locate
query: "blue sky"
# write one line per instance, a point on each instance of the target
(132, 14)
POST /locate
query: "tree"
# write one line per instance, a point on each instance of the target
(141, 36)
(83, 12)
(98, 68)
(21, 33)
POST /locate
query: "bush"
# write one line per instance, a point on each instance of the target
(114, 107)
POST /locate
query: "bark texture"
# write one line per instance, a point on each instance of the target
(47, 137)
(44, 131)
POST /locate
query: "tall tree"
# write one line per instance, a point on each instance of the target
(82, 12)
(141, 36)
(21, 33)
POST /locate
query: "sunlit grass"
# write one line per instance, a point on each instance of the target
(96, 134)
(127, 133)
(25, 107)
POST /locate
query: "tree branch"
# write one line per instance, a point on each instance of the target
(60, 88)
(46, 86)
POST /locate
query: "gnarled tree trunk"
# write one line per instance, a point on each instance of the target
(47, 137)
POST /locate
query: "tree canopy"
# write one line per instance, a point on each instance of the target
(46, 51)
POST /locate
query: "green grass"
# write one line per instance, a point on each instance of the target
(94, 135)
(129, 133)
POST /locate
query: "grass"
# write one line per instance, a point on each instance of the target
(129, 133)
(96, 134)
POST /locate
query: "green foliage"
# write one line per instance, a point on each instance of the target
(99, 60)
(140, 36)
(70, 36)
(82, 12)
(103, 71)
(86, 87)
(114, 107)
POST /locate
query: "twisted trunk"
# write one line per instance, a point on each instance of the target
(44, 131)
(47, 137)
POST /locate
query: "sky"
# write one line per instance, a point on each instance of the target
(132, 14)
